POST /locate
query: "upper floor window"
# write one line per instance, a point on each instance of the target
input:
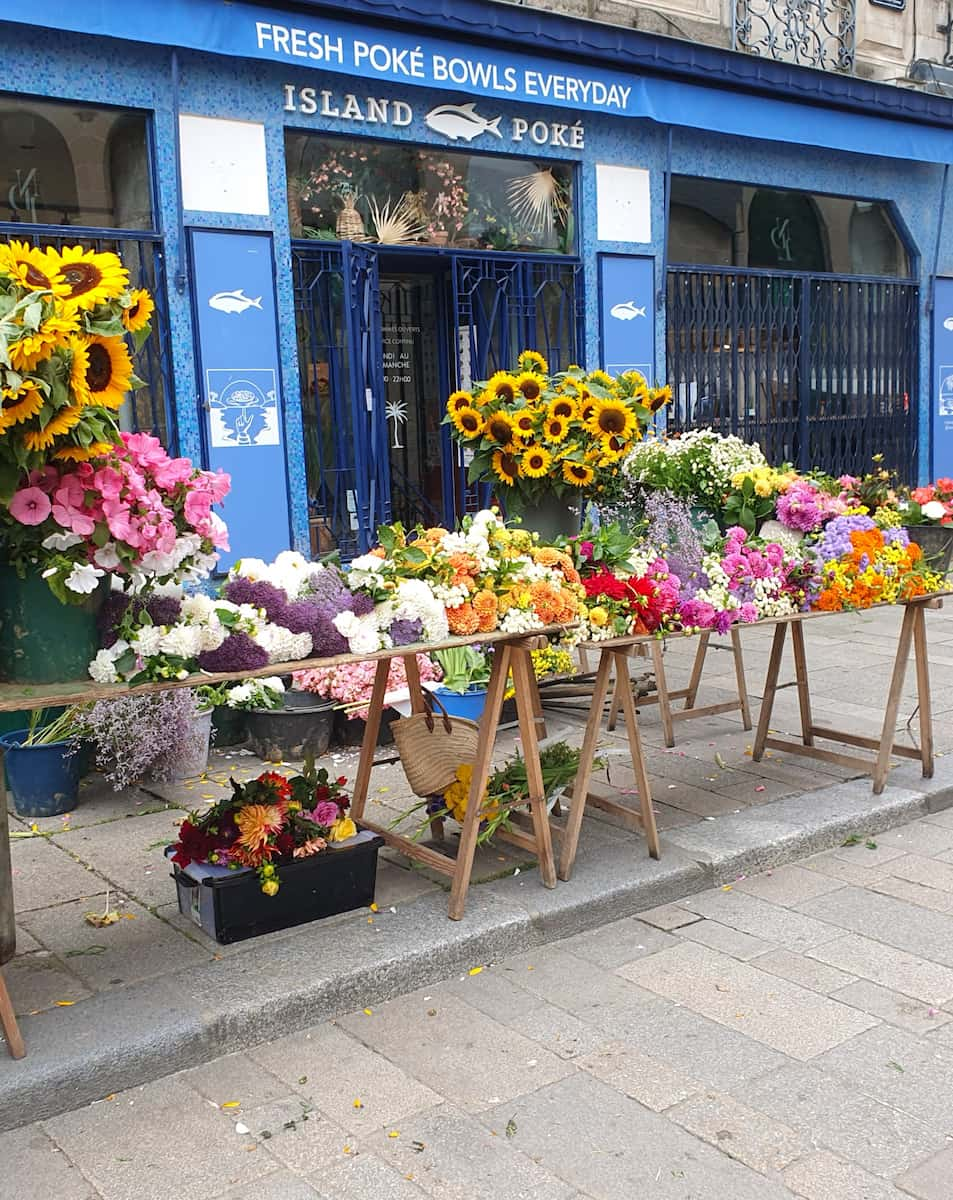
(738, 225)
(392, 192)
(73, 164)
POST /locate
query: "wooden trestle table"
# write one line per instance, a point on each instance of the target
(511, 655)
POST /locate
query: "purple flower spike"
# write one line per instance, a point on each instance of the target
(237, 653)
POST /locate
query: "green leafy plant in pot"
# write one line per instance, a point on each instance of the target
(45, 763)
(466, 673)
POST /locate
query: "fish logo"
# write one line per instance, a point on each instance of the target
(948, 324)
(461, 122)
(233, 302)
(626, 311)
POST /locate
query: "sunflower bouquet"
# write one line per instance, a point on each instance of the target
(65, 364)
(532, 433)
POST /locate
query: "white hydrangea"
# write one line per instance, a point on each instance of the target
(199, 607)
(290, 571)
(415, 601)
(182, 641)
(103, 667)
(148, 641)
(281, 644)
(365, 572)
(363, 634)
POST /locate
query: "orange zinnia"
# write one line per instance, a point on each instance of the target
(463, 619)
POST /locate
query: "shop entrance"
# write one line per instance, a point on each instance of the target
(384, 334)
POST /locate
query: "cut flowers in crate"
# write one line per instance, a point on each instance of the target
(267, 821)
(533, 434)
(929, 505)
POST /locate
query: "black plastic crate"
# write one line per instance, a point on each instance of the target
(230, 905)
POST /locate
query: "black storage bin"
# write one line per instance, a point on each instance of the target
(230, 905)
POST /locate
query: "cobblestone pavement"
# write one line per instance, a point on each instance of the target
(787, 1035)
(115, 841)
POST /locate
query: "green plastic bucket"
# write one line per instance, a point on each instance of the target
(42, 640)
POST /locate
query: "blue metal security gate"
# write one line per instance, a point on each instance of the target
(503, 304)
(150, 409)
(822, 370)
(337, 312)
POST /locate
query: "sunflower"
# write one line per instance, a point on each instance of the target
(139, 313)
(35, 345)
(556, 429)
(505, 467)
(108, 371)
(459, 400)
(499, 428)
(612, 418)
(91, 277)
(578, 474)
(659, 398)
(485, 399)
(611, 449)
(502, 387)
(602, 378)
(587, 410)
(536, 463)
(468, 422)
(19, 403)
(38, 439)
(530, 385)
(532, 360)
(83, 453)
(34, 269)
(564, 407)
(65, 420)
(633, 379)
(524, 421)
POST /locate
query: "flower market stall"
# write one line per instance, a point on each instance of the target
(695, 536)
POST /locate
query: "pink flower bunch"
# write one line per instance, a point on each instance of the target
(352, 683)
(804, 507)
(938, 495)
(135, 509)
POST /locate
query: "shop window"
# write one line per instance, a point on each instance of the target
(393, 193)
(715, 223)
(73, 164)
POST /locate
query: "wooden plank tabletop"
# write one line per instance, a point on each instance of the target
(20, 696)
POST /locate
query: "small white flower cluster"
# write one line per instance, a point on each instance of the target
(290, 571)
(700, 461)
(519, 620)
(255, 693)
(365, 572)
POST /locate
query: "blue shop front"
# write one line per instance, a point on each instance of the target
(343, 222)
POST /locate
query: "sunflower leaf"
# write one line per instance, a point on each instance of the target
(113, 327)
(33, 315)
(135, 383)
(141, 336)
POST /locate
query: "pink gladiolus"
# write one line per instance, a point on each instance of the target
(30, 506)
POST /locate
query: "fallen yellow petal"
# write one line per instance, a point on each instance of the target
(358, 1103)
(368, 1012)
(475, 970)
(65, 1003)
(374, 908)
(232, 1104)
(394, 1133)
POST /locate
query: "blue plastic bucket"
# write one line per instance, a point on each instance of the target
(469, 704)
(44, 780)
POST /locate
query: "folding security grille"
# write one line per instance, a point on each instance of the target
(821, 370)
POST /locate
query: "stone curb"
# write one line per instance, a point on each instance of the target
(120, 1039)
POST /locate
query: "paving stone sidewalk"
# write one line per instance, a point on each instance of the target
(786, 1035)
(115, 841)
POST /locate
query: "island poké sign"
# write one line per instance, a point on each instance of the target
(461, 123)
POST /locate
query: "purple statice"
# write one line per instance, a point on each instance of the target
(135, 734)
(404, 632)
(835, 541)
(120, 608)
(259, 594)
(237, 653)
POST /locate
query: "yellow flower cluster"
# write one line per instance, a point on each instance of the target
(767, 480)
(562, 432)
(64, 319)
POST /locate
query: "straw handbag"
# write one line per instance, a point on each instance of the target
(431, 747)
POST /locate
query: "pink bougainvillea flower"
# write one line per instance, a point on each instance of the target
(30, 506)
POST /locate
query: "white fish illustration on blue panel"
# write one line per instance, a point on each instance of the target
(627, 311)
(461, 121)
(948, 324)
(233, 302)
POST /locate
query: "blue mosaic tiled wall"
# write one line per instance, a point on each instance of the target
(122, 73)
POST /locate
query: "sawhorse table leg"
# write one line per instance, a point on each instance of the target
(8, 1020)
(645, 818)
